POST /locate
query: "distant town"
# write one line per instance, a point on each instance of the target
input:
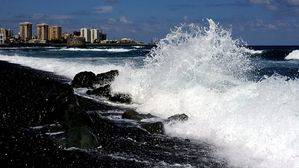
(52, 35)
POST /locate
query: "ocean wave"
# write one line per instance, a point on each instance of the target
(253, 52)
(114, 50)
(66, 67)
(293, 55)
(203, 73)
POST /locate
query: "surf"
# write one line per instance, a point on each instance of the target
(205, 73)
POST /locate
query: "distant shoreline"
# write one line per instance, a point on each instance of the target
(65, 45)
(89, 45)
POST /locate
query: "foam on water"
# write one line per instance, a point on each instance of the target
(202, 72)
(67, 67)
(293, 55)
(97, 49)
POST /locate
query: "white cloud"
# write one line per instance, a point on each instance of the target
(103, 9)
(261, 1)
(125, 20)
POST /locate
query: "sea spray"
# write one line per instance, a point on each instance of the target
(202, 72)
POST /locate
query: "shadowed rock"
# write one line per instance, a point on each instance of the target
(177, 118)
(106, 78)
(153, 127)
(44, 124)
(103, 91)
(121, 98)
(133, 115)
(84, 79)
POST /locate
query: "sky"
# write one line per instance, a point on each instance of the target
(256, 22)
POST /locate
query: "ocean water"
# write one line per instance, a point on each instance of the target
(244, 103)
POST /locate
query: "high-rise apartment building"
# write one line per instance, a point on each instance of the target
(95, 34)
(5, 35)
(84, 32)
(26, 31)
(55, 33)
(42, 31)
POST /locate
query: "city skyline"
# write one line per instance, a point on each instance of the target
(254, 21)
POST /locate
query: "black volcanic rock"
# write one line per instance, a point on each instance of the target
(153, 127)
(104, 91)
(84, 79)
(31, 98)
(44, 124)
(121, 98)
(106, 78)
(176, 118)
(133, 115)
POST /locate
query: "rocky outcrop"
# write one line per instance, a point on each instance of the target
(133, 115)
(89, 79)
(177, 118)
(84, 79)
(44, 124)
(103, 91)
(121, 98)
(106, 78)
(153, 127)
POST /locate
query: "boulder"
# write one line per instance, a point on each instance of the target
(104, 91)
(176, 118)
(153, 127)
(84, 79)
(133, 115)
(106, 78)
(121, 98)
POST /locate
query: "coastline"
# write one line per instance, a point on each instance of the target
(65, 45)
(44, 124)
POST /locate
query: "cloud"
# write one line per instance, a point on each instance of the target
(260, 1)
(103, 9)
(292, 2)
(110, 1)
(276, 3)
(281, 7)
(125, 20)
(41, 16)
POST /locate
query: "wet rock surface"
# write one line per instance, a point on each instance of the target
(134, 115)
(84, 79)
(106, 78)
(44, 124)
(177, 118)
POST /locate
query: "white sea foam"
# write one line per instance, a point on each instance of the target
(250, 51)
(202, 72)
(114, 50)
(67, 67)
(293, 55)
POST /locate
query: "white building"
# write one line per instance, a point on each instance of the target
(3, 35)
(2, 38)
(95, 34)
(84, 32)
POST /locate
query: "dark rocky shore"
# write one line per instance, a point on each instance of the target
(44, 124)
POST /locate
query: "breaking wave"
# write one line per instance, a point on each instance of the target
(97, 49)
(203, 73)
(293, 55)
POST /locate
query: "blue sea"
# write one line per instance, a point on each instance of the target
(242, 100)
